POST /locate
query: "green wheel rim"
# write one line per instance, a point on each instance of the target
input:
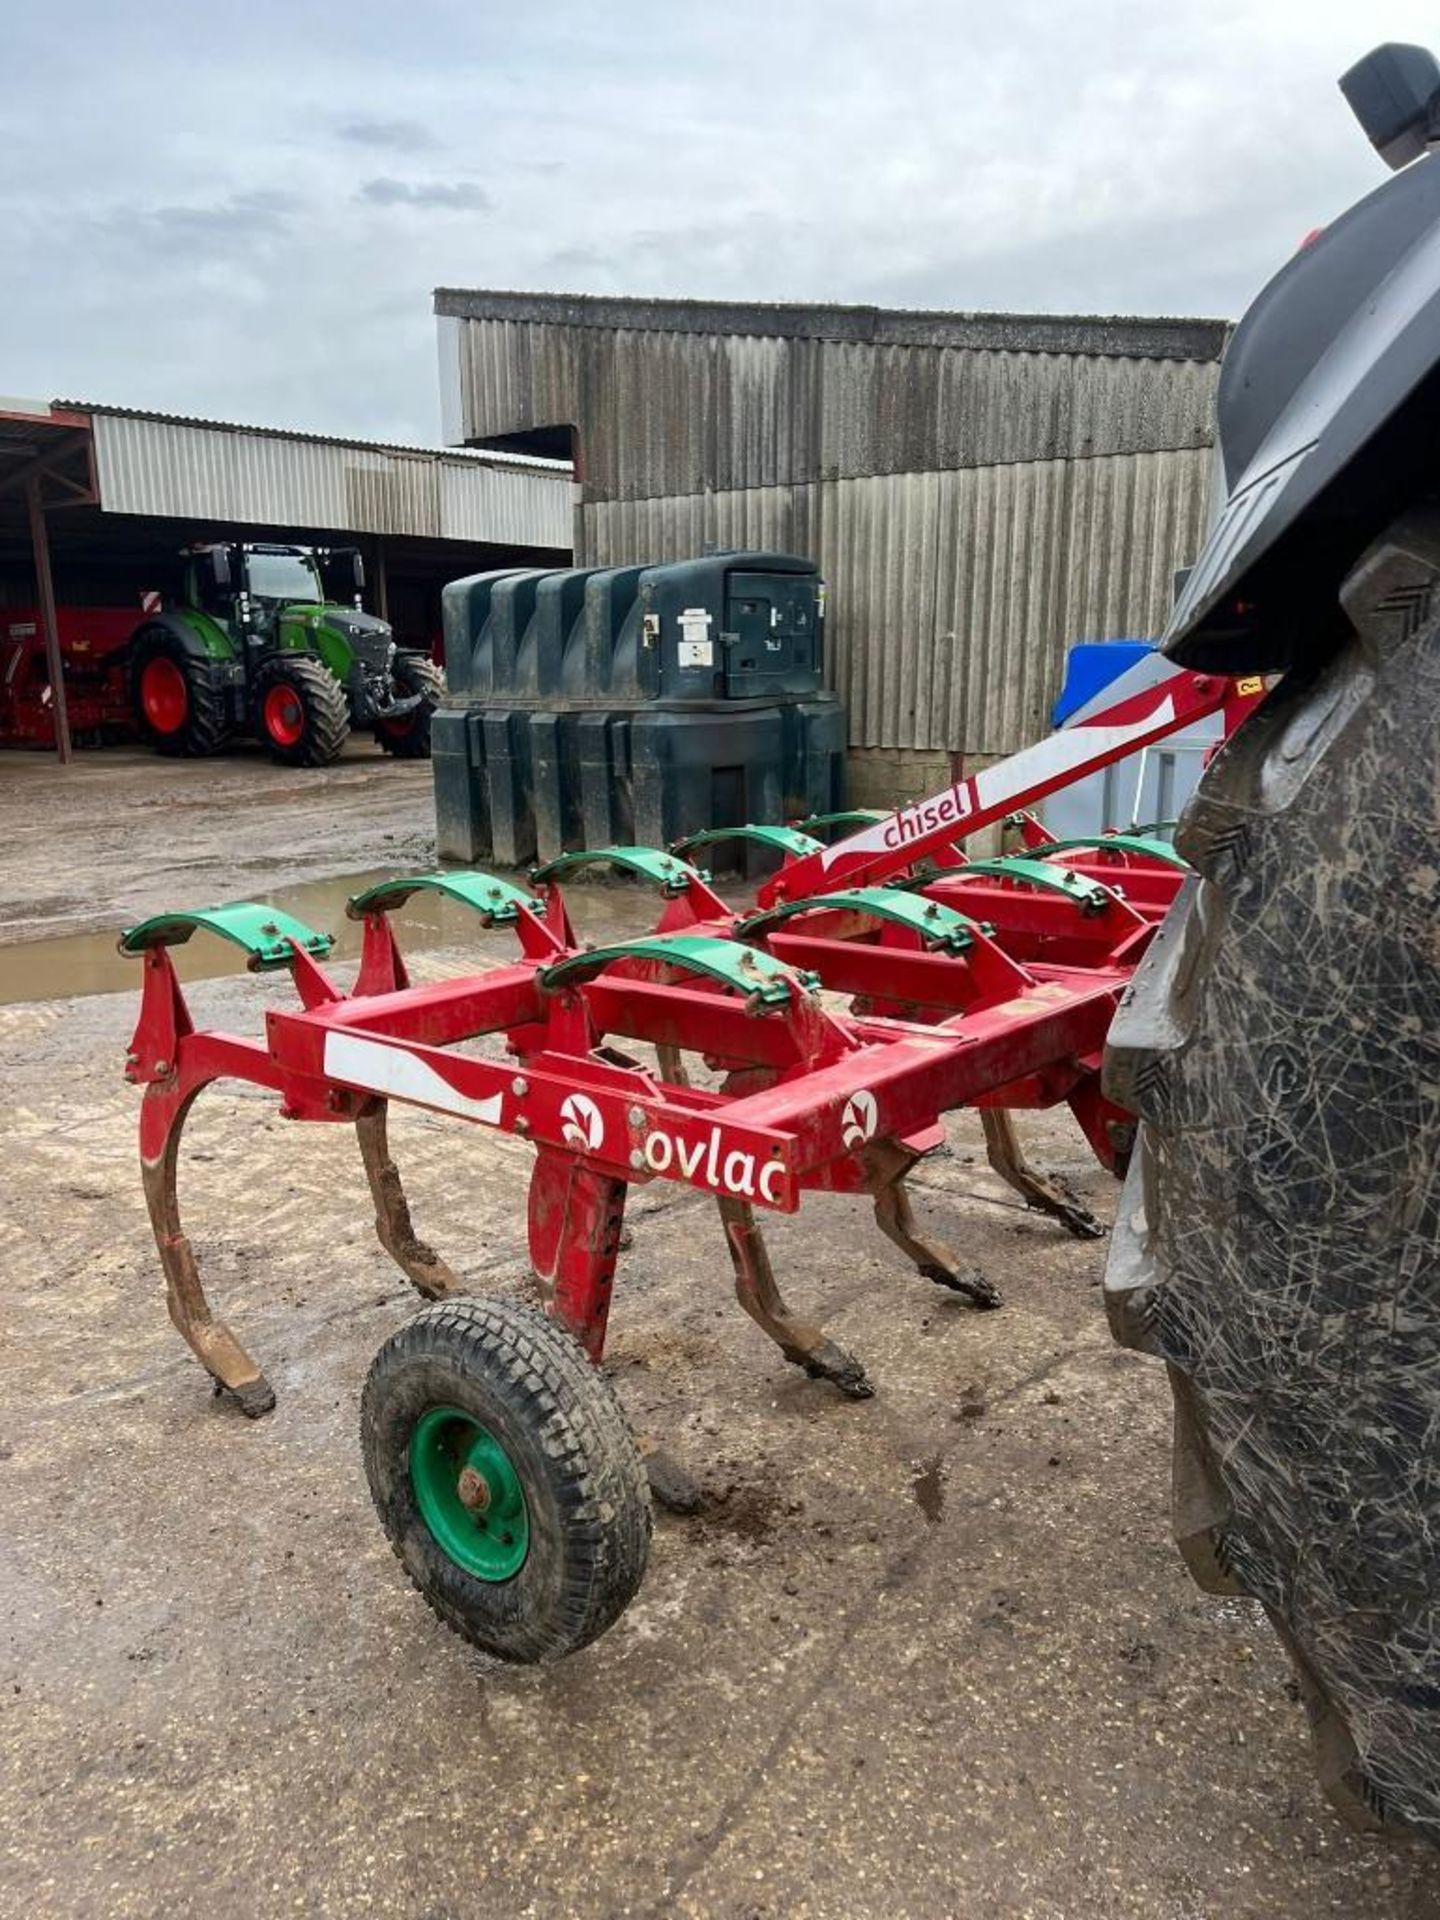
(469, 1494)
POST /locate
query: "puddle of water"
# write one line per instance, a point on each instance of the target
(79, 964)
(86, 963)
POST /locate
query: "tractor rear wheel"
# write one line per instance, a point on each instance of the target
(408, 738)
(301, 712)
(1278, 1241)
(506, 1478)
(176, 706)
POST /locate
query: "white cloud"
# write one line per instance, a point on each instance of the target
(197, 219)
(444, 196)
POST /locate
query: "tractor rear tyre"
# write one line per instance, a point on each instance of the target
(506, 1478)
(301, 712)
(177, 708)
(1278, 1242)
(408, 738)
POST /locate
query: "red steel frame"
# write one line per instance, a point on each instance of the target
(811, 1096)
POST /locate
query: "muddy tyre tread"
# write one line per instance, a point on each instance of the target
(590, 1523)
(207, 725)
(1279, 1046)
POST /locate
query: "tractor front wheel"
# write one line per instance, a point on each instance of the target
(176, 706)
(408, 737)
(506, 1478)
(301, 712)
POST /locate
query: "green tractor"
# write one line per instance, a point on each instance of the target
(256, 648)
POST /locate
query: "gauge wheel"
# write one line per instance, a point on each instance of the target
(506, 1478)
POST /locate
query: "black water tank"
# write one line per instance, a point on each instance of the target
(614, 704)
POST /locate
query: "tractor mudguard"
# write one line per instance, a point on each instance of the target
(1324, 415)
(202, 637)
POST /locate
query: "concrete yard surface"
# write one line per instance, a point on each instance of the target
(927, 1655)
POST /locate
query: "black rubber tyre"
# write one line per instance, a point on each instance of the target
(301, 712)
(1278, 1242)
(192, 722)
(409, 737)
(528, 1384)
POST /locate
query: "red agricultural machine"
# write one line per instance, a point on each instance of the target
(1278, 1241)
(94, 649)
(812, 1043)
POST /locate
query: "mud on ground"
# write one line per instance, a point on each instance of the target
(927, 1655)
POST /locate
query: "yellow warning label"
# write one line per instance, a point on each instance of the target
(1253, 685)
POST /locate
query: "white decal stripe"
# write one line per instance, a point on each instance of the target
(869, 839)
(999, 786)
(1059, 751)
(394, 1070)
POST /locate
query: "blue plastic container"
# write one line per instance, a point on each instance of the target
(1090, 667)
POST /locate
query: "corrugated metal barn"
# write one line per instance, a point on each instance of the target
(980, 490)
(123, 491)
(165, 465)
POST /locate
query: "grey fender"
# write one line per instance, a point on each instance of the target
(1325, 430)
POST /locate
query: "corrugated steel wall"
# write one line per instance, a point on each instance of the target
(193, 471)
(953, 595)
(677, 413)
(975, 509)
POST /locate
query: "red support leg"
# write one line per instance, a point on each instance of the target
(162, 1118)
(1042, 1191)
(575, 1219)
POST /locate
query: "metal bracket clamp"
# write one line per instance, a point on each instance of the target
(671, 875)
(765, 982)
(1142, 845)
(267, 934)
(782, 839)
(498, 901)
(937, 926)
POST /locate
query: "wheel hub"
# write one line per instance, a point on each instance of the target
(469, 1494)
(284, 716)
(474, 1490)
(164, 696)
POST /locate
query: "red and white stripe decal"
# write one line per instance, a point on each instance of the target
(377, 1067)
(1004, 785)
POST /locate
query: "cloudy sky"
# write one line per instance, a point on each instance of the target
(241, 211)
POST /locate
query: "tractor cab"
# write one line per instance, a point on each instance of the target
(221, 577)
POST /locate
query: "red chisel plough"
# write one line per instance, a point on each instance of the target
(878, 983)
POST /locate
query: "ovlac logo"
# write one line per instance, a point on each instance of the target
(582, 1125)
(709, 1163)
(859, 1119)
